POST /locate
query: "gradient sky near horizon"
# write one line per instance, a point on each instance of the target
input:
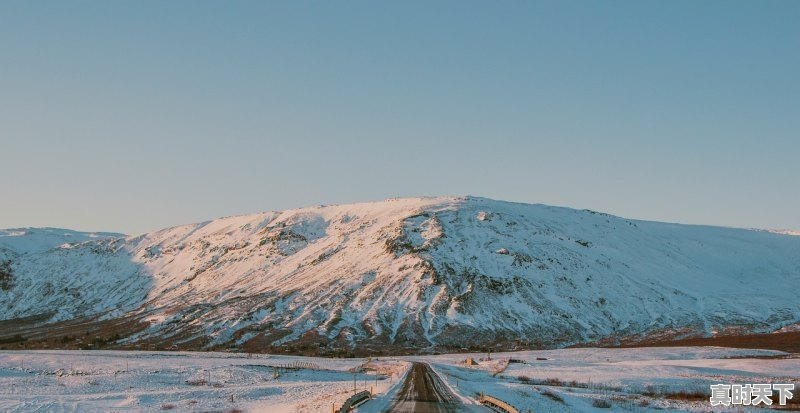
(132, 116)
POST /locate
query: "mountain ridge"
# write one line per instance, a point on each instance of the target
(420, 273)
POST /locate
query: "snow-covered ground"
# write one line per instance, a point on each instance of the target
(89, 381)
(637, 379)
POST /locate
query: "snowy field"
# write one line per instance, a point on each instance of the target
(87, 381)
(567, 380)
(637, 379)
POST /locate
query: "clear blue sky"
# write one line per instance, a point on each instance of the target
(132, 116)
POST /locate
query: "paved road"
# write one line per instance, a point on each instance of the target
(424, 392)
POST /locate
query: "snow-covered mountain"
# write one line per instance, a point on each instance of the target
(786, 231)
(447, 271)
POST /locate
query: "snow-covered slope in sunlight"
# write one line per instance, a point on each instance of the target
(786, 232)
(417, 272)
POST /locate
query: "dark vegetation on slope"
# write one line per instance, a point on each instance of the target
(787, 341)
(94, 334)
(6, 275)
